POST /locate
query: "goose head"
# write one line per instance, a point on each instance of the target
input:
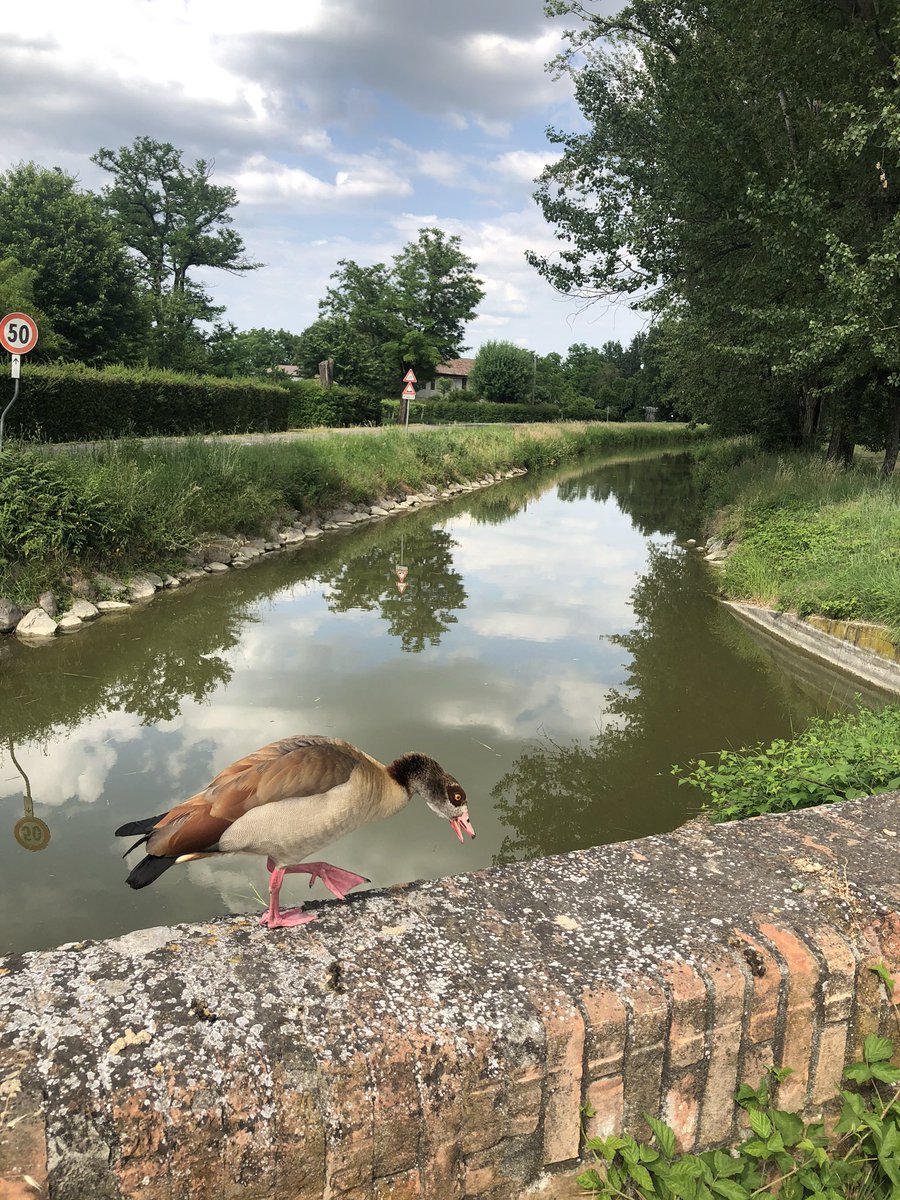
(443, 793)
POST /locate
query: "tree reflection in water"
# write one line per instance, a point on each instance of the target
(434, 590)
(618, 784)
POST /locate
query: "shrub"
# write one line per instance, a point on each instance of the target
(478, 412)
(71, 402)
(503, 373)
(335, 406)
(834, 759)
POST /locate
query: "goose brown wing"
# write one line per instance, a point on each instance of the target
(309, 769)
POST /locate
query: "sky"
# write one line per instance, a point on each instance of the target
(344, 125)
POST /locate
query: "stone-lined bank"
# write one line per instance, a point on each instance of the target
(220, 554)
(440, 1039)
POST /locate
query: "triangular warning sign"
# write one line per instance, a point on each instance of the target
(409, 392)
(410, 376)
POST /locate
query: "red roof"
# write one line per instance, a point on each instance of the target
(456, 366)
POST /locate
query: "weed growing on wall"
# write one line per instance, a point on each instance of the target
(783, 1156)
(833, 759)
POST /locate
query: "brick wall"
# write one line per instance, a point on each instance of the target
(439, 1040)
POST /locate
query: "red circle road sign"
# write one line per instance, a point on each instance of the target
(18, 333)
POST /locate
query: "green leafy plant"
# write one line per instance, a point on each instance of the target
(837, 758)
(783, 1156)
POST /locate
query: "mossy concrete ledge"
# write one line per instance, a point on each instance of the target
(440, 1040)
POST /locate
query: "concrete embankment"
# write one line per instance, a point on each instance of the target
(439, 1040)
(858, 648)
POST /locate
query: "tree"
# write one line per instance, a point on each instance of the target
(251, 351)
(17, 295)
(409, 314)
(80, 276)
(437, 291)
(503, 372)
(175, 220)
(728, 177)
(356, 359)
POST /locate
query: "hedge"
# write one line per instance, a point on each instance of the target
(448, 412)
(71, 402)
(311, 404)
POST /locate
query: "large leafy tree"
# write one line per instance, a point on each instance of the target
(504, 373)
(175, 219)
(411, 313)
(736, 174)
(80, 276)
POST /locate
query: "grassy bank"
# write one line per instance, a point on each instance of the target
(126, 506)
(807, 536)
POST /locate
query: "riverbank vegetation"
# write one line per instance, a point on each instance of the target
(833, 759)
(129, 504)
(805, 535)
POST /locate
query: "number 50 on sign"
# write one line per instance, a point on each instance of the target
(18, 333)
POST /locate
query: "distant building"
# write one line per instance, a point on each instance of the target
(290, 369)
(456, 370)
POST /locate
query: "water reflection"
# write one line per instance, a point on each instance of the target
(684, 697)
(30, 832)
(431, 595)
(551, 647)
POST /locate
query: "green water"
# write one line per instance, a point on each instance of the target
(554, 649)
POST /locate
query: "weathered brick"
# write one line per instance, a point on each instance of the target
(830, 1065)
(681, 1109)
(687, 1034)
(839, 974)
(395, 1104)
(802, 977)
(766, 986)
(564, 1035)
(23, 1134)
(349, 1110)
(406, 1186)
(645, 1049)
(605, 1026)
(607, 1098)
(727, 985)
(442, 1077)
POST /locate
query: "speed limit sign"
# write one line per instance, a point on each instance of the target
(18, 333)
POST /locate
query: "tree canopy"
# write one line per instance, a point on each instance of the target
(736, 178)
(385, 319)
(60, 247)
(175, 220)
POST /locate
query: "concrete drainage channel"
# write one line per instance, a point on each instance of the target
(222, 554)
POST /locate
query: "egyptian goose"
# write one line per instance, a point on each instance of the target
(288, 800)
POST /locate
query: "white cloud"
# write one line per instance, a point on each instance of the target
(262, 181)
(339, 122)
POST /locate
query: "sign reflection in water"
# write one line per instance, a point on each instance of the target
(560, 709)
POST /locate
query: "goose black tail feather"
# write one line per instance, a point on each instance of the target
(148, 869)
(144, 825)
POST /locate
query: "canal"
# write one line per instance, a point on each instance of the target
(555, 647)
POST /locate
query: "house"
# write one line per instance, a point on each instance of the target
(456, 370)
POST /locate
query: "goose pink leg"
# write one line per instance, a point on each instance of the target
(338, 882)
(275, 918)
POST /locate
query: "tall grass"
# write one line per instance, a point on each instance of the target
(130, 503)
(810, 537)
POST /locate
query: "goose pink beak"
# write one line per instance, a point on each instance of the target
(458, 824)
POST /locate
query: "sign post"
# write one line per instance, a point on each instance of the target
(18, 335)
(408, 393)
